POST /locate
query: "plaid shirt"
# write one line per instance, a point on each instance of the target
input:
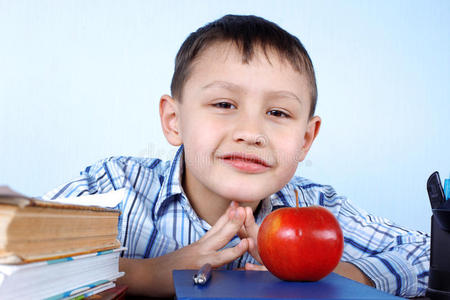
(157, 219)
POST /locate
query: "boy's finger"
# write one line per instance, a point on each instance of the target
(216, 227)
(250, 225)
(253, 250)
(228, 255)
(248, 230)
(253, 267)
(242, 233)
(229, 230)
(221, 221)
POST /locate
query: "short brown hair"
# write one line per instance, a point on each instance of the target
(247, 32)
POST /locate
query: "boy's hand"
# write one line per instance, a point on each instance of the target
(207, 249)
(153, 276)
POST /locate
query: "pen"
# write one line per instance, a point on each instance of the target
(203, 275)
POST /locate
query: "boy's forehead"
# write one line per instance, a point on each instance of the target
(223, 51)
(226, 57)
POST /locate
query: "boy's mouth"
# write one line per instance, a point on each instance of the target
(248, 163)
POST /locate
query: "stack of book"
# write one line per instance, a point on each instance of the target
(53, 250)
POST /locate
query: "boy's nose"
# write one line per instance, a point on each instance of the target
(251, 139)
(248, 132)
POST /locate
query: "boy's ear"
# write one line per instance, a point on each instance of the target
(169, 115)
(312, 130)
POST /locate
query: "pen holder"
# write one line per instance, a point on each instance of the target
(439, 280)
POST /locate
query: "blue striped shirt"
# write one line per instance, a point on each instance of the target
(157, 219)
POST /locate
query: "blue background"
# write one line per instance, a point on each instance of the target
(81, 80)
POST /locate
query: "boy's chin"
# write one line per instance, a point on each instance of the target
(246, 195)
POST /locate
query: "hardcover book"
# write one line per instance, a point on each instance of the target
(34, 230)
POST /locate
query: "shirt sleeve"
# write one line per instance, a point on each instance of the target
(104, 176)
(395, 258)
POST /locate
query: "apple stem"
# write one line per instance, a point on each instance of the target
(296, 198)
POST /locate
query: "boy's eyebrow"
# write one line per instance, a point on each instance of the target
(284, 94)
(222, 84)
(234, 87)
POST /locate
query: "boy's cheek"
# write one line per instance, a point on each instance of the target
(289, 154)
(203, 133)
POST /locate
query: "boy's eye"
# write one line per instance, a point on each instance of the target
(277, 113)
(225, 105)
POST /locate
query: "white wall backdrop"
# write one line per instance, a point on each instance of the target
(81, 80)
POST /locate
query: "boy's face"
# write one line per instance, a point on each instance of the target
(244, 127)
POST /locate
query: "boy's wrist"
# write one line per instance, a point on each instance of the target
(147, 277)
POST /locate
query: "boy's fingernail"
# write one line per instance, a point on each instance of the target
(249, 210)
(242, 243)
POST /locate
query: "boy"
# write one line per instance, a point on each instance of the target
(242, 114)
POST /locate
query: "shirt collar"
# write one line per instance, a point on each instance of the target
(172, 190)
(171, 185)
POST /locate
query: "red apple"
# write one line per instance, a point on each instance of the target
(300, 243)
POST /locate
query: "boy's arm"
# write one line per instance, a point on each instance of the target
(394, 258)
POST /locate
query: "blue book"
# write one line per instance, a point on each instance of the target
(225, 284)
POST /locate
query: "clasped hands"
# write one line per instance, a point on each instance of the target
(209, 249)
